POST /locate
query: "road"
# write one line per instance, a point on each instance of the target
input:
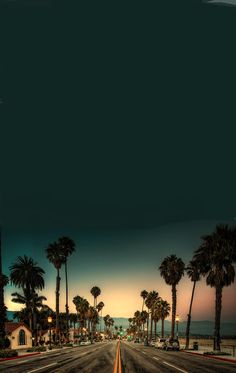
(94, 358)
(137, 358)
(99, 358)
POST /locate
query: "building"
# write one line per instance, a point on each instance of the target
(19, 334)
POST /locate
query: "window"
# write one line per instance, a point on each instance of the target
(22, 339)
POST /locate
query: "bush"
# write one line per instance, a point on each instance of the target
(36, 349)
(68, 345)
(4, 343)
(8, 353)
(216, 353)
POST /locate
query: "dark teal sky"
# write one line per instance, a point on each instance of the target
(116, 119)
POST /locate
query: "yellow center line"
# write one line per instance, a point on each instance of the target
(117, 363)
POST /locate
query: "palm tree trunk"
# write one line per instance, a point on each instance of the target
(143, 304)
(57, 303)
(218, 307)
(147, 324)
(151, 327)
(67, 307)
(189, 317)
(173, 310)
(162, 327)
(155, 330)
(2, 305)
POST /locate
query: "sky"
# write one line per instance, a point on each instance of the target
(118, 130)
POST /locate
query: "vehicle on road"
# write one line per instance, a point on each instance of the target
(160, 343)
(85, 343)
(136, 340)
(171, 345)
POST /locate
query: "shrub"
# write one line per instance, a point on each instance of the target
(8, 353)
(68, 345)
(36, 349)
(217, 353)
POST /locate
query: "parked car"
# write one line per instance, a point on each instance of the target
(160, 343)
(152, 343)
(136, 340)
(171, 345)
(85, 343)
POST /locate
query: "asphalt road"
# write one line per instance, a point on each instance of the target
(137, 358)
(99, 358)
(90, 359)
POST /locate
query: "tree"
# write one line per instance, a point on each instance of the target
(67, 247)
(216, 256)
(33, 302)
(163, 309)
(150, 302)
(172, 270)
(82, 307)
(193, 272)
(3, 308)
(95, 291)
(144, 294)
(27, 275)
(56, 257)
(99, 308)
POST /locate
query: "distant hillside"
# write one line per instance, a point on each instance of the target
(197, 327)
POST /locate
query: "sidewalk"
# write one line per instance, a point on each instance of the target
(228, 358)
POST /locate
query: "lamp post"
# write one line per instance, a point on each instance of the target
(177, 326)
(50, 334)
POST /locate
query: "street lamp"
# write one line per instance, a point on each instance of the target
(50, 334)
(177, 326)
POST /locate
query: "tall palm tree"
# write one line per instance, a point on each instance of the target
(163, 309)
(99, 308)
(150, 302)
(95, 291)
(193, 272)
(216, 257)
(144, 317)
(144, 294)
(3, 308)
(27, 275)
(67, 247)
(82, 307)
(172, 270)
(56, 257)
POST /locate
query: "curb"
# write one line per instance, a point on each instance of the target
(19, 357)
(211, 356)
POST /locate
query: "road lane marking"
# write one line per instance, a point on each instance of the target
(22, 361)
(45, 366)
(173, 366)
(156, 358)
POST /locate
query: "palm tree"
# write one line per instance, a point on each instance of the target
(3, 308)
(67, 247)
(172, 270)
(216, 256)
(32, 301)
(163, 308)
(56, 257)
(193, 272)
(27, 275)
(150, 302)
(144, 294)
(95, 291)
(99, 308)
(82, 307)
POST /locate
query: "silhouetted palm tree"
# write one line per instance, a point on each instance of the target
(172, 270)
(163, 308)
(27, 275)
(56, 257)
(99, 308)
(3, 308)
(193, 272)
(150, 302)
(67, 247)
(216, 256)
(95, 291)
(144, 294)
